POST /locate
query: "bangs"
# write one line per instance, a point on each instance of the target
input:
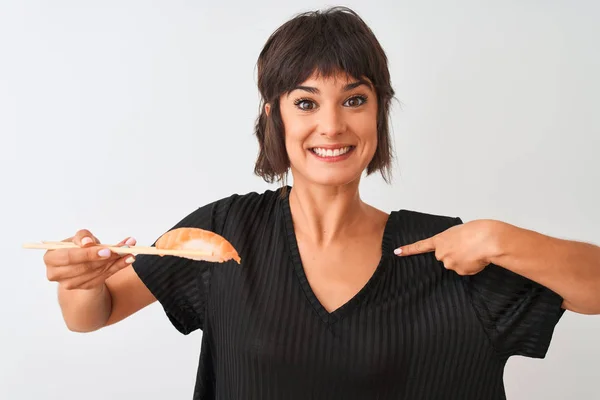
(326, 51)
(321, 44)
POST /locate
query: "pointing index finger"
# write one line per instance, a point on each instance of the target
(421, 246)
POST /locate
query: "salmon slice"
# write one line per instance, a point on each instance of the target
(217, 248)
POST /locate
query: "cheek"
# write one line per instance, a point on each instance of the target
(295, 136)
(297, 131)
(366, 128)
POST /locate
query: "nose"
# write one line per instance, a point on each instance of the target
(331, 122)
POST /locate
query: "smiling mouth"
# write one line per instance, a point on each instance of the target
(325, 153)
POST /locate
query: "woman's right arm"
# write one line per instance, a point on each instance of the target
(95, 291)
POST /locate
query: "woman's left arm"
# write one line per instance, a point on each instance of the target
(569, 268)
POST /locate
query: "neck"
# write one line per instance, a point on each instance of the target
(326, 213)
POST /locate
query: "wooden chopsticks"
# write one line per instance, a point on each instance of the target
(49, 245)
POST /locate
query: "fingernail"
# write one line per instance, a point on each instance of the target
(104, 253)
(398, 251)
(86, 240)
(130, 260)
(130, 241)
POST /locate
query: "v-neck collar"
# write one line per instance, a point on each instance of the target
(350, 305)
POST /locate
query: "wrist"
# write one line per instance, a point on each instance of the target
(499, 234)
(93, 291)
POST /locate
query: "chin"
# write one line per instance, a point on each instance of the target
(333, 178)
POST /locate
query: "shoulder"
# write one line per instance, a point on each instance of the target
(238, 209)
(231, 210)
(423, 223)
(238, 204)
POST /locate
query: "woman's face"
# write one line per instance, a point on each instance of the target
(330, 129)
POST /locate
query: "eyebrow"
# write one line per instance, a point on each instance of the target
(348, 87)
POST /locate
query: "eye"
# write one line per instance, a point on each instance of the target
(355, 101)
(305, 104)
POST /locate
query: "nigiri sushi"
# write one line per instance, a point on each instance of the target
(217, 248)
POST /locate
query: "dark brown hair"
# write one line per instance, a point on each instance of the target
(325, 42)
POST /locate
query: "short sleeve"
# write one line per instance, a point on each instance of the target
(179, 284)
(518, 314)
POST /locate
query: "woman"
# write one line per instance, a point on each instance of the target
(321, 307)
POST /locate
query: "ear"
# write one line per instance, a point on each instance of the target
(267, 109)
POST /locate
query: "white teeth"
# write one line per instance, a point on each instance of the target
(331, 153)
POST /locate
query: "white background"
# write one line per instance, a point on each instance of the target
(124, 116)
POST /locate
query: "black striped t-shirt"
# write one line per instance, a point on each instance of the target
(414, 331)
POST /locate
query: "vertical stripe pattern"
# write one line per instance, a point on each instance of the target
(414, 331)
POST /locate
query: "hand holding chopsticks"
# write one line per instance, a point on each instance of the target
(81, 262)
